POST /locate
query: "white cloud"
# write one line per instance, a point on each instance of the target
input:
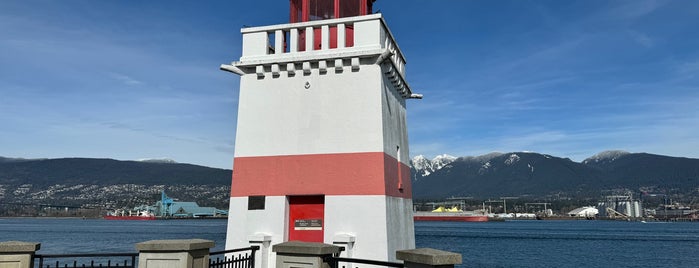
(635, 9)
(642, 39)
(688, 70)
(126, 80)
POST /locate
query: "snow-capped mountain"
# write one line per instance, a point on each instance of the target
(534, 174)
(423, 167)
(158, 160)
(605, 157)
(9, 159)
(481, 158)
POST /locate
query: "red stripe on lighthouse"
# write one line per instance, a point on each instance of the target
(328, 174)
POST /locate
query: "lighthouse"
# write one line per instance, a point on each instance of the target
(321, 148)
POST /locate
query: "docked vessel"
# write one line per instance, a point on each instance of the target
(452, 214)
(121, 214)
(674, 211)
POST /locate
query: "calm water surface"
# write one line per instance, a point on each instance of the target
(565, 243)
(63, 236)
(492, 244)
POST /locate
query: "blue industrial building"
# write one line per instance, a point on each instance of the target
(169, 208)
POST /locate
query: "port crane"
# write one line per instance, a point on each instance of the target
(165, 204)
(502, 200)
(614, 214)
(526, 206)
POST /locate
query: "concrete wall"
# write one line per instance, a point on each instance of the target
(338, 113)
(394, 122)
(381, 230)
(246, 223)
(376, 223)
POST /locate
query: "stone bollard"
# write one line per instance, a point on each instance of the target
(186, 253)
(303, 254)
(18, 254)
(428, 258)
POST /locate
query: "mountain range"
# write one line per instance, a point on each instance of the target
(106, 183)
(114, 183)
(96, 171)
(533, 174)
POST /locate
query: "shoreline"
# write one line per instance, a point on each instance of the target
(101, 218)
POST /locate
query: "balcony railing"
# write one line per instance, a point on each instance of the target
(335, 38)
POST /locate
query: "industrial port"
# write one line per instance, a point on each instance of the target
(167, 208)
(626, 207)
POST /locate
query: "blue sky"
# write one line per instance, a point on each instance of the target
(139, 79)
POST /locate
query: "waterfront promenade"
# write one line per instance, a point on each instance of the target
(195, 253)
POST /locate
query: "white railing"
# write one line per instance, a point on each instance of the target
(355, 36)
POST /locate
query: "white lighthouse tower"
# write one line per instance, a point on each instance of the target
(321, 150)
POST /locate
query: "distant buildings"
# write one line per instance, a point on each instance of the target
(169, 208)
(620, 206)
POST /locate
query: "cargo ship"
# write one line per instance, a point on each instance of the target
(452, 214)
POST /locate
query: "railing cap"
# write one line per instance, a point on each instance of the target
(175, 245)
(429, 256)
(309, 248)
(19, 247)
(315, 23)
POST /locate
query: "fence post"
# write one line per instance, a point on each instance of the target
(428, 258)
(18, 254)
(346, 240)
(263, 241)
(304, 254)
(186, 253)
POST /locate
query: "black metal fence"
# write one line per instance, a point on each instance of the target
(234, 258)
(335, 262)
(228, 258)
(88, 260)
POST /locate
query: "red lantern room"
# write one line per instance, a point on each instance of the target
(311, 10)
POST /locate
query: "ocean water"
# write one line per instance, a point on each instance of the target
(67, 236)
(491, 244)
(565, 243)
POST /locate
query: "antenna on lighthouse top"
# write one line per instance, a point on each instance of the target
(310, 10)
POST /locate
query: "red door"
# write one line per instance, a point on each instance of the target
(306, 218)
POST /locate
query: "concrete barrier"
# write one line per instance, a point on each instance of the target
(188, 253)
(18, 254)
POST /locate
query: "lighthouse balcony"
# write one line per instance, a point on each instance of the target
(298, 48)
(349, 39)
